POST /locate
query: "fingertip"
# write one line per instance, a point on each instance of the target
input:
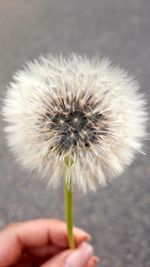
(79, 256)
(93, 261)
(81, 235)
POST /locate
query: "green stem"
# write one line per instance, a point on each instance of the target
(68, 202)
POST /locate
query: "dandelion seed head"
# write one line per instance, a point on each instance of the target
(89, 110)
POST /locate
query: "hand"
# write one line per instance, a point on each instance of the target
(43, 243)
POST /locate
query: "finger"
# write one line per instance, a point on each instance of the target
(43, 231)
(34, 234)
(48, 250)
(58, 260)
(93, 262)
(27, 262)
(59, 234)
(72, 258)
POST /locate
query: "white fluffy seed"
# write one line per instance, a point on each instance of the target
(33, 99)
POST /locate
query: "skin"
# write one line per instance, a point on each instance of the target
(40, 243)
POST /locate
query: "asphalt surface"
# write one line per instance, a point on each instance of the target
(118, 216)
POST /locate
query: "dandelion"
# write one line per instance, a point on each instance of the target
(80, 119)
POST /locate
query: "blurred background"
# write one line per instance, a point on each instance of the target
(117, 216)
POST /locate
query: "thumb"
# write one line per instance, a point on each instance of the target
(72, 258)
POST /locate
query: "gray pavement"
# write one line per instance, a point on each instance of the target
(118, 216)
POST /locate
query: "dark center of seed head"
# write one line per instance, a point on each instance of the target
(77, 120)
(73, 127)
(73, 121)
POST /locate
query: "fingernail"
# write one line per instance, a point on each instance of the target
(80, 256)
